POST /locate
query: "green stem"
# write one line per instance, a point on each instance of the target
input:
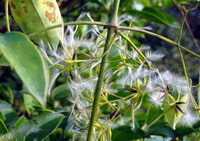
(7, 15)
(70, 23)
(117, 27)
(97, 92)
(183, 62)
(134, 47)
(179, 49)
(154, 121)
(110, 46)
(158, 36)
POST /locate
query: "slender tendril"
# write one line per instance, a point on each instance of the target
(135, 48)
(7, 15)
(179, 50)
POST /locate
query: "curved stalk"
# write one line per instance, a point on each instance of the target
(71, 23)
(7, 15)
(183, 62)
(97, 92)
(134, 47)
(179, 50)
(117, 27)
(160, 37)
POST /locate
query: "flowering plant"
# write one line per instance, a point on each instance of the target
(100, 84)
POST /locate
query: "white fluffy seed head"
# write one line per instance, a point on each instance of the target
(189, 118)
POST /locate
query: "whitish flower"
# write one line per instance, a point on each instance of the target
(144, 48)
(154, 56)
(106, 87)
(132, 54)
(136, 76)
(125, 17)
(176, 82)
(78, 86)
(95, 29)
(79, 111)
(163, 81)
(188, 118)
(70, 44)
(157, 98)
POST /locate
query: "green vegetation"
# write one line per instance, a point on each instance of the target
(82, 70)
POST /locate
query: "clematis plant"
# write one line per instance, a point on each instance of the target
(98, 85)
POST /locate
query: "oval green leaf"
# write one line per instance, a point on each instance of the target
(60, 92)
(35, 15)
(26, 59)
(9, 113)
(47, 124)
(3, 128)
(3, 60)
(125, 133)
(153, 113)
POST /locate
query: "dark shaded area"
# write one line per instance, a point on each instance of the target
(71, 9)
(171, 61)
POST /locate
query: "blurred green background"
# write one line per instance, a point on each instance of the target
(161, 15)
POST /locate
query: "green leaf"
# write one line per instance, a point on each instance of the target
(22, 127)
(114, 61)
(46, 125)
(154, 138)
(184, 130)
(124, 133)
(172, 114)
(2, 117)
(153, 113)
(3, 60)
(9, 112)
(161, 130)
(155, 15)
(60, 92)
(33, 16)
(56, 135)
(3, 128)
(8, 137)
(28, 63)
(30, 103)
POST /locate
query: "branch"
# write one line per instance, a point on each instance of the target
(97, 92)
(187, 25)
(110, 25)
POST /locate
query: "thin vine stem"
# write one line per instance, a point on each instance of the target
(160, 37)
(187, 24)
(181, 56)
(97, 92)
(135, 48)
(111, 25)
(7, 15)
(179, 50)
(69, 24)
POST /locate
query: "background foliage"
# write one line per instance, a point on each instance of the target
(22, 115)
